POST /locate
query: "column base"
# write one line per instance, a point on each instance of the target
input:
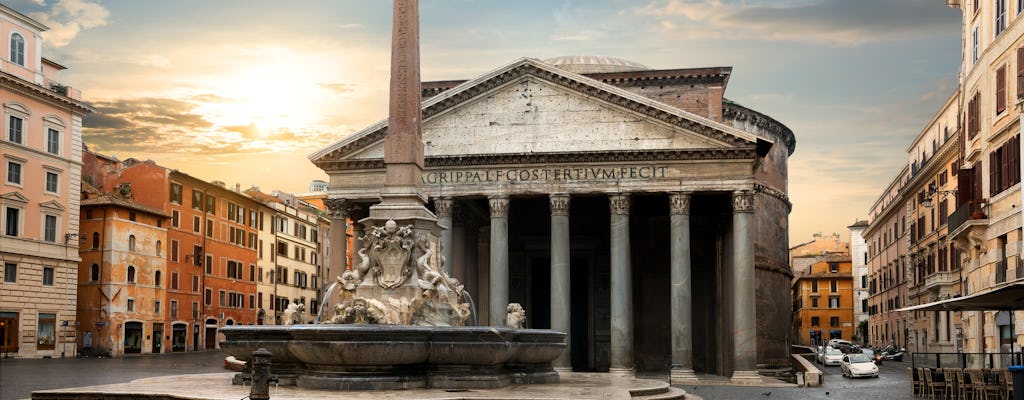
(563, 370)
(682, 376)
(623, 372)
(751, 378)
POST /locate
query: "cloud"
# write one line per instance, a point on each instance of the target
(339, 88)
(833, 22)
(67, 18)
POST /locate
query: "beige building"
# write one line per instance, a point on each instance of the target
(886, 238)
(40, 165)
(986, 225)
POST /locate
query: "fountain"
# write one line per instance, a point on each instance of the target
(397, 322)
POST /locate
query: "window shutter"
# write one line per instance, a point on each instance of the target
(1001, 89)
(993, 173)
(1020, 73)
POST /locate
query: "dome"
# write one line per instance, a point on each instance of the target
(594, 64)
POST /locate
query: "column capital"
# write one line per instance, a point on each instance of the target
(559, 203)
(619, 203)
(499, 206)
(340, 208)
(743, 201)
(443, 207)
(679, 203)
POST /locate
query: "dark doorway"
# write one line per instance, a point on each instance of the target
(195, 337)
(540, 293)
(132, 337)
(211, 334)
(158, 338)
(8, 332)
(581, 329)
(710, 221)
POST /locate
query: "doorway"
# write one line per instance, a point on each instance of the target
(132, 337)
(178, 332)
(8, 332)
(158, 338)
(211, 334)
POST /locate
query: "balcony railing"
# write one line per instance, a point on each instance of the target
(941, 279)
(972, 210)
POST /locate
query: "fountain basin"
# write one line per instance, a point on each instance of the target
(371, 357)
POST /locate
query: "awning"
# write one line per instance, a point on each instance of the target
(1008, 296)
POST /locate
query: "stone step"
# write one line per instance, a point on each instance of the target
(667, 393)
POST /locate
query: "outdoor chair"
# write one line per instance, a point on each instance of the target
(939, 389)
(917, 386)
(926, 382)
(949, 376)
(1007, 384)
(964, 391)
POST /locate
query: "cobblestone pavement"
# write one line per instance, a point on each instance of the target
(893, 383)
(19, 377)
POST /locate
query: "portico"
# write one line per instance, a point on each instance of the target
(626, 223)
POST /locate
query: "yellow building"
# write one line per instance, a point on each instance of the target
(823, 301)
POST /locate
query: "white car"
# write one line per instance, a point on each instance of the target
(858, 365)
(831, 356)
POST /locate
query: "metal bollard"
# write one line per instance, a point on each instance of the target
(261, 378)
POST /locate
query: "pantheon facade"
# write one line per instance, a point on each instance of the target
(636, 209)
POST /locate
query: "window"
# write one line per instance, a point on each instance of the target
(973, 123)
(159, 248)
(50, 228)
(252, 301)
(131, 216)
(196, 223)
(156, 307)
(814, 302)
(197, 201)
(833, 267)
(18, 49)
(833, 302)
(195, 310)
(1004, 166)
(12, 221)
(175, 218)
(156, 278)
(195, 284)
(14, 173)
(833, 321)
(95, 240)
(814, 285)
(1001, 89)
(51, 182)
(131, 274)
(174, 309)
(174, 251)
(282, 249)
(1020, 70)
(209, 228)
(94, 273)
(1020, 7)
(208, 297)
(211, 204)
(833, 285)
(46, 332)
(174, 280)
(175, 193)
(10, 273)
(815, 321)
(131, 242)
(131, 305)
(223, 298)
(52, 141)
(47, 276)
(975, 38)
(16, 129)
(252, 273)
(1000, 11)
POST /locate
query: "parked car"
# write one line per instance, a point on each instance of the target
(874, 356)
(858, 365)
(836, 342)
(831, 356)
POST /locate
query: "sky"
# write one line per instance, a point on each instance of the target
(243, 91)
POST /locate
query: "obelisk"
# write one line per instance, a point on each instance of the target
(401, 197)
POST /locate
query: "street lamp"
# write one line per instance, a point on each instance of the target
(927, 202)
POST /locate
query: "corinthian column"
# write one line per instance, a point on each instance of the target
(682, 321)
(560, 283)
(499, 260)
(744, 311)
(622, 288)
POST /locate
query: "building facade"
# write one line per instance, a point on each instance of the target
(40, 161)
(582, 179)
(986, 225)
(859, 266)
(887, 240)
(823, 301)
(122, 299)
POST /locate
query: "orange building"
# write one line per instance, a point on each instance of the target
(211, 246)
(121, 297)
(823, 301)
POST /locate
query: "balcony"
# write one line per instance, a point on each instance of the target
(940, 280)
(973, 210)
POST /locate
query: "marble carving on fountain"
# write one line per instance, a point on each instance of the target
(394, 284)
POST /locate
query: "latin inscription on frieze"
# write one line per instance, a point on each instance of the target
(549, 174)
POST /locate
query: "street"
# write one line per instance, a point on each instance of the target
(19, 377)
(892, 383)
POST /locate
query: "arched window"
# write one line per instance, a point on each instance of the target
(131, 242)
(131, 274)
(156, 278)
(159, 250)
(94, 273)
(95, 240)
(18, 49)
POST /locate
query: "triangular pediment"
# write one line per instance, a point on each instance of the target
(14, 197)
(52, 205)
(529, 107)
